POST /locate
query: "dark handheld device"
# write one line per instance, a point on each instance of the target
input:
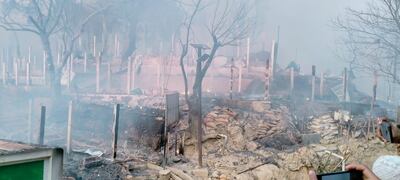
(386, 131)
(345, 175)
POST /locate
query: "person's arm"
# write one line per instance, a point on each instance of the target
(396, 133)
(367, 173)
(379, 133)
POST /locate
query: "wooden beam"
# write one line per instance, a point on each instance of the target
(115, 130)
(42, 125)
(313, 83)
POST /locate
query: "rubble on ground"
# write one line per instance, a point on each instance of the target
(326, 126)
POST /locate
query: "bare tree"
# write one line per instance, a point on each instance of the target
(46, 18)
(373, 37)
(229, 22)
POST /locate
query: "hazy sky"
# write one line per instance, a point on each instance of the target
(306, 28)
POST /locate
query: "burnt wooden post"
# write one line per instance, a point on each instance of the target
(29, 53)
(16, 76)
(30, 116)
(267, 80)
(133, 72)
(313, 83)
(85, 63)
(34, 61)
(321, 85)
(248, 54)
(44, 68)
(345, 85)
(274, 55)
(28, 73)
(373, 99)
(159, 77)
(72, 63)
(171, 116)
(115, 130)
(128, 77)
(240, 77)
(69, 127)
(115, 45)
(58, 58)
(291, 80)
(109, 72)
(42, 124)
(231, 81)
(69, 68)
(94, 46)
(238, 49)
(97, 74)
(398, 114)
(4, 73)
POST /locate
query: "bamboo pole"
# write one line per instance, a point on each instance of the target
(69, 127)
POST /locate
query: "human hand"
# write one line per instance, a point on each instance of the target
(367, 173)
(312, 175)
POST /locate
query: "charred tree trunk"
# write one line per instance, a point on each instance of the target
(54, 76)
(131, 44)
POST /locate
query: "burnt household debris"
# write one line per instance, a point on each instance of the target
(105, 94)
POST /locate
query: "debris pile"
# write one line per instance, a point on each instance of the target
(326, 126)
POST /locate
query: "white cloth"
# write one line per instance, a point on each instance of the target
(387, 167)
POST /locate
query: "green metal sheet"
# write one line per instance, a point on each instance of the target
(23, 171)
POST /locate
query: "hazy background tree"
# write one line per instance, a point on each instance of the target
(46, 18)
(226, 22)
(372, 38)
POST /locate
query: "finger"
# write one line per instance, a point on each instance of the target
(312, 175)
(354, 166)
